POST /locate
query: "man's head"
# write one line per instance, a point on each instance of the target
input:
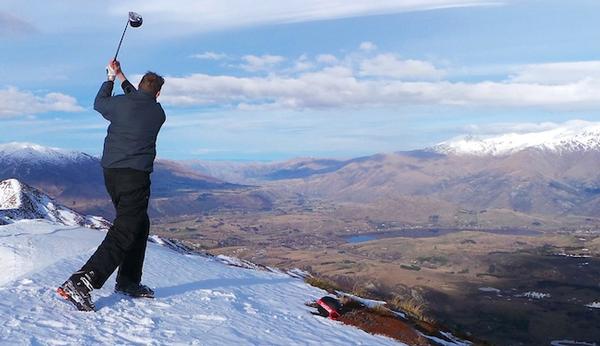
(151, 83)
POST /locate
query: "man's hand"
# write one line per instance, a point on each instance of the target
(110, 71)
(118, 71)
(114, 70)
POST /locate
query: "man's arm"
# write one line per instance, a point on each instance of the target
(102, 102)
(125, 84)
(127, 87)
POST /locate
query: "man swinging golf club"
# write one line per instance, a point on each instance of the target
(129, 151)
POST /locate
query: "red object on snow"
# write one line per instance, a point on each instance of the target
(330, 305)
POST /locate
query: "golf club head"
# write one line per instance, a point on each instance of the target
(135, 20)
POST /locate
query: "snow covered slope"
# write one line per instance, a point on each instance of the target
(19, 201)
(573, 136)
(200, 301)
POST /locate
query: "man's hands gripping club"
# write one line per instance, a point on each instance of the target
(113, 70)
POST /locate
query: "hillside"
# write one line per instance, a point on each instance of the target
(198, 300)
(43, 235)
(529, 181)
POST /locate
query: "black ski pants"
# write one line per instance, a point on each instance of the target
(125, 243)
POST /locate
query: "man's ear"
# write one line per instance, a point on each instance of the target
(158, 94)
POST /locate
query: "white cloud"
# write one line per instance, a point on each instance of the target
(265, 62)
(303, 63)
(384, 80)
(15, 102)
(340, 87)
(210, 56)
(390, 66)
(327, 59)
(367, 46)
(557, 73)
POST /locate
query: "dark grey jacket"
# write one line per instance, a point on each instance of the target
(135, 119)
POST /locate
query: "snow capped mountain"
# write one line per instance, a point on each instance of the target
(19, 201)
(32, 153)
(571, 137)
(76, 179)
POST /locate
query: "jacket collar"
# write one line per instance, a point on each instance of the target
(146, 94)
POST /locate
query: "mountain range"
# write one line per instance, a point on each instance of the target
(65, 173)
(553, 172)
(574, 136)
(76, 179)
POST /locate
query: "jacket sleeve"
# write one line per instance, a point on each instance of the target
(103, 103)
(127, 87)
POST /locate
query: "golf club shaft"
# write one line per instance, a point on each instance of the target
(121, 41)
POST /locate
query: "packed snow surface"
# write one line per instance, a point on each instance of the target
(572, 136)
(199, 300)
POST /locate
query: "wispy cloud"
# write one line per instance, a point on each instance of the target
(15, 102)
(557, 73)
(494, 129)
(367, 46)
(266, 62)
(192, 15)
(391, 66)
(11, 25)
(210, 56)
(327, 59)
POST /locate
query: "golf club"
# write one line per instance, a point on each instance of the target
(135, 20)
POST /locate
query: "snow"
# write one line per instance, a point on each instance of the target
(454, 341)
(594, 305)
(199, 300)
(237, 262)
(370, 303)
(534, 295)
(572, 343)
(18, 201)
(19, 242)
(489, 290)
(572, 136)
(29, 152)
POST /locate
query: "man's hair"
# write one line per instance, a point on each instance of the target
(151, 83)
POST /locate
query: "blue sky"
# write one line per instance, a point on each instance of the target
(302, 78)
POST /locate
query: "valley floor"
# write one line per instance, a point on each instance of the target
(533, 287)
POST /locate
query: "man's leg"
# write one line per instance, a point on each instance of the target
(130, 270)
(130, 191)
